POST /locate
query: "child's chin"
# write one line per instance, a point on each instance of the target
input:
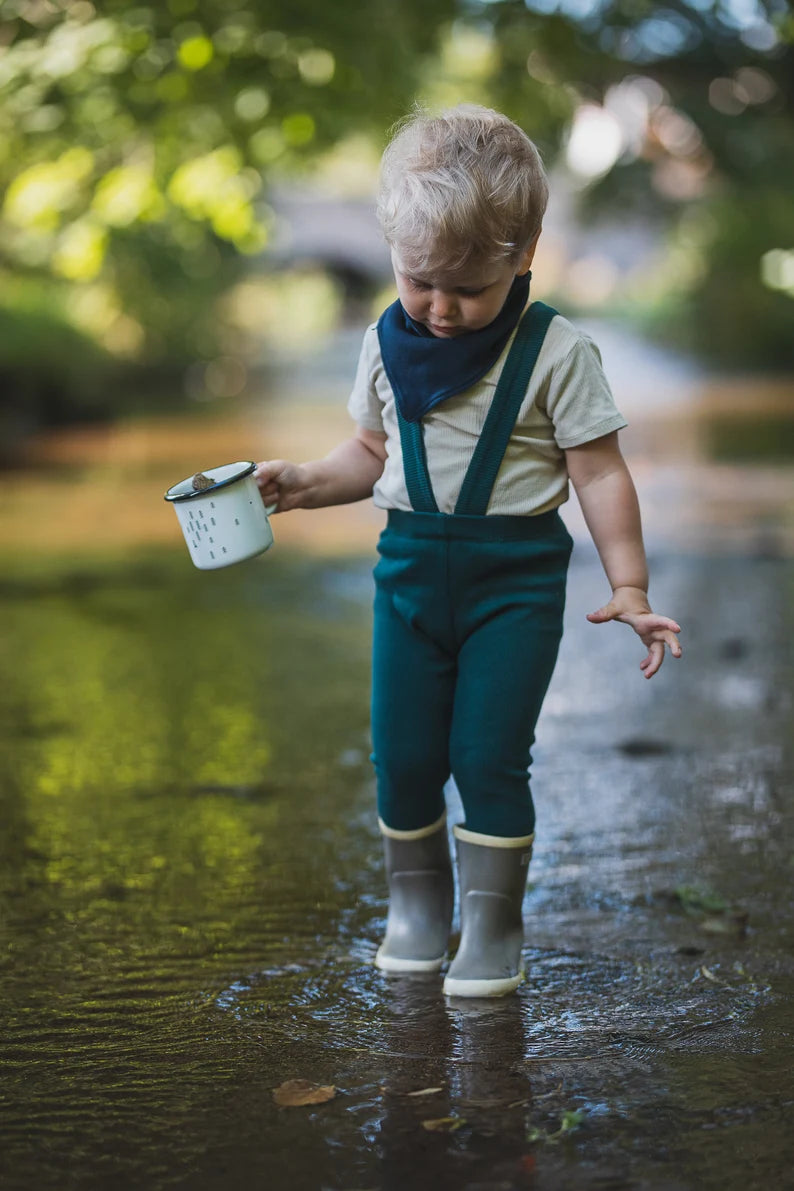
(445, 332)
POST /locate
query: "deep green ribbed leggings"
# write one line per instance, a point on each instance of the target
(468, 620)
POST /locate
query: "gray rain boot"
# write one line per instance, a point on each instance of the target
(493, 877)
(421, 897)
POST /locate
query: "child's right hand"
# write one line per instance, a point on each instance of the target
(281, 484)
(348, 473)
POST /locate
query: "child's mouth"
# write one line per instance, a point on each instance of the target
(442, 330)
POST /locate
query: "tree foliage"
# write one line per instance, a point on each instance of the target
(136, 138)
(704, 93)
(138, 141)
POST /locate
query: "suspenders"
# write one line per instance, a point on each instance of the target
(479, 480)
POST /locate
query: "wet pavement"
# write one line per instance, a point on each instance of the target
(191, 890)
(192, 895)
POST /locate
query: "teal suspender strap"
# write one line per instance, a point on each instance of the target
(417, 478)
(487, 459)
(511, 390)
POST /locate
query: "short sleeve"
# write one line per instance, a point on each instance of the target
(364, 405)
(579, 400)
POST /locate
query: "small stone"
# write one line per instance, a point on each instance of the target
(641, 746)
(201, 482)
(733, 649)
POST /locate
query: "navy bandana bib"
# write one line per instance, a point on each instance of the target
(424, 371)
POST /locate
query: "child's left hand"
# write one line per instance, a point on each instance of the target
(630, 605)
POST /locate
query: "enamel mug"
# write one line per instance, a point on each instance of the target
(222, 515)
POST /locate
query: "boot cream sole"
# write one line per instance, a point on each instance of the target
(392, 963)
(481, 988)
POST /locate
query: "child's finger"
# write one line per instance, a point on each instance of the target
(670, 640)
(607, 612)
(655, 657)
(673, 644)
(651, 623)
(664, 622)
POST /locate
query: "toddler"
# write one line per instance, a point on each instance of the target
(473, 410)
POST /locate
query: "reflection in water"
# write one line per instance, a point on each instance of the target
(460, 1112)
(191, 889)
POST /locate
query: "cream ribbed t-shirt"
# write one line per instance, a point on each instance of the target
(568, 402)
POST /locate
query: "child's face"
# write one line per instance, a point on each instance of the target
(452, 304)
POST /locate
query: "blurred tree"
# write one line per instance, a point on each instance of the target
(696, 99)
(134, 139)
(137, 142)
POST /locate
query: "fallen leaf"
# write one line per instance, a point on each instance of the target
(695, 901)
(444, 1124)
(571, 1119)
(734, 923)
(491, 1102)
(294, 1093)
(717, 926)
(425, 1092)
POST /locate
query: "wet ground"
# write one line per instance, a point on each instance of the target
(191, 891)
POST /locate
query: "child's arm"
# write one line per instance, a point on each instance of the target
(347, 474)
(609, 502)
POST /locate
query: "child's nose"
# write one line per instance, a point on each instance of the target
(442, 305)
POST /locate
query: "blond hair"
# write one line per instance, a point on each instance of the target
(466, 185)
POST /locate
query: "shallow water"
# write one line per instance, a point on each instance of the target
(191, 890)
(191, 896)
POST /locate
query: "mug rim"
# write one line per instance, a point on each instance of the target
(192, 494)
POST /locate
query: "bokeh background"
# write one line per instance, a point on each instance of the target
(187, 187)
(191, 891)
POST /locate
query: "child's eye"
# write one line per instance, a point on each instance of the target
(414, 284)
(471, 293)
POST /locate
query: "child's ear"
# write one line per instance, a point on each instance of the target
(527, 256)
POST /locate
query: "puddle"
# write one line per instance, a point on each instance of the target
(191, 891)
(191, 898)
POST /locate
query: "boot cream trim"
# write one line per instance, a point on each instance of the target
(418, 833)
(493, 841)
